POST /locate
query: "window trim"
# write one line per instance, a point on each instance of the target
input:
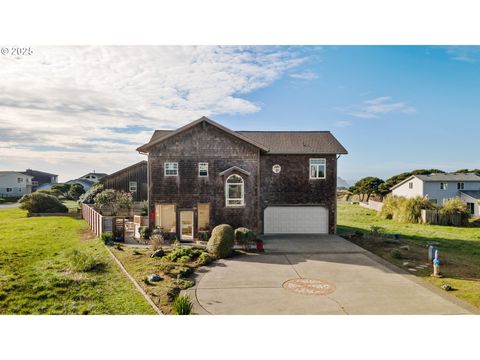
(410, 184)
(443, 185)
(165, 168)
(199, 170)
(460, 185)
(227, 197)
(130, 186)
(317, 165)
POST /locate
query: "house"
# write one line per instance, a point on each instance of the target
(41, 180)
(14, 184)
(438, 188)
(93, 176)
(131, 179)
(87, 180)
(204, 174)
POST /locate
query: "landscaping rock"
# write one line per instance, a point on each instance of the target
(405, 247)
(412, 270)
(447, 287)
(406, 263)
(154, 278)
(158, 253)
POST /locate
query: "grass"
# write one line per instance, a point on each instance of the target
(459, 248)
(40, 273)
(176, 275)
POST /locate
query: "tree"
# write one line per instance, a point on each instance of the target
(89, 196)
(75, 191)
(368, 186)
(62, 188)
(113, 200)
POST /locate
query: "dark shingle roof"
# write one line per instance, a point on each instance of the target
(280, 142)
(473, 193)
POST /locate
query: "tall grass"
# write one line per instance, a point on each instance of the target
(405, 210)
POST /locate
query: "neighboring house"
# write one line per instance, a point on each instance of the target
(438, 188)
(131, 179)
(14, 184)
(93, 176)
(204, 174)
(41, 180)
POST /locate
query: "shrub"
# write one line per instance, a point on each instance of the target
(183, 254)
(55, 193)
(75, 191)
(184, 283)
(454, 206)
(204, 259)
(106, 238)
(221, 242)
(113, 200)
(82, 261)
(41, 203)
(396, 253)
(376, 232)
(156, 239)
(244, 237)
(145, 232)
(185, 259)
(401, 209)
(89, 196)
(182, 305)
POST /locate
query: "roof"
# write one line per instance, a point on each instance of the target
(472, 193)
(14, 172)
(140, 163)
(272, 142)
(462, 177)
(234, 168)
(99, 175)
(38, 172)
(82, 182)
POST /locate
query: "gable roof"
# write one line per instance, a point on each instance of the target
(99, 175)
(462, 177)
(234, 168)
(472, 193)
(166, 135)
(2, 173)
(273, 142)
(138, 164)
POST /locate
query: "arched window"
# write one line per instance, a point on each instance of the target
(234, 191)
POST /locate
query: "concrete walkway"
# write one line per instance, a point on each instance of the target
(361, 283)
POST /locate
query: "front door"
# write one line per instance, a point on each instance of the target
(186, 225)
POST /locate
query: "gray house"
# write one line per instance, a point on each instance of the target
(438, 188)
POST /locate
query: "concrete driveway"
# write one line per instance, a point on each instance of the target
(325, 275)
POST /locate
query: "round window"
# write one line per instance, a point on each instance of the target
(276, 168)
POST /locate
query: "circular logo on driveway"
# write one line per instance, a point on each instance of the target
(309, 286)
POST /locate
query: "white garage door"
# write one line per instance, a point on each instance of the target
(296, 220)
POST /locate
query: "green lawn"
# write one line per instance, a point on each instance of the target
(37, 277)
(459, 248)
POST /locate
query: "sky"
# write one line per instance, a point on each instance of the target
(72, 110)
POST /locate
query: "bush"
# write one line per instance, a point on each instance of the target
(182, 305)
(145, 232)
(41, 203)
(396, 253)
(405, 210)
(82, 261)
(454, 206)
(221, 242)
(185, 259)
(156, 239)
(376, 232)
(204, 259)
(183, 254)
(55, 193)
(244, 237)
(75, 191)
(89, 196)
(113, 200)
(106, 238)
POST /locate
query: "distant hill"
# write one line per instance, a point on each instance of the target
(342, 183)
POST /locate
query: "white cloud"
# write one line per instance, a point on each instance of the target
(342, 123)
(375, 107)
(306, 75)
(68, 109)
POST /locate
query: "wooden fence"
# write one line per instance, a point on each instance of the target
(371, 204)
(434, 217)
(97, 222)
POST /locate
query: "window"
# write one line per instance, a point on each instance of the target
(460, 186)
(20, 180)
(203, 169)
(166, 217)
(19, 189)
(443, 186)
(132, 186)
(317, 168)
(234, 191)
(171, 169)
(471, 207)
(410, 185)
(9, 189)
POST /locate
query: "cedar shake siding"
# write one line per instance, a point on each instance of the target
(121, 180)
(293, 186)
(248, 155)
(205, 143)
